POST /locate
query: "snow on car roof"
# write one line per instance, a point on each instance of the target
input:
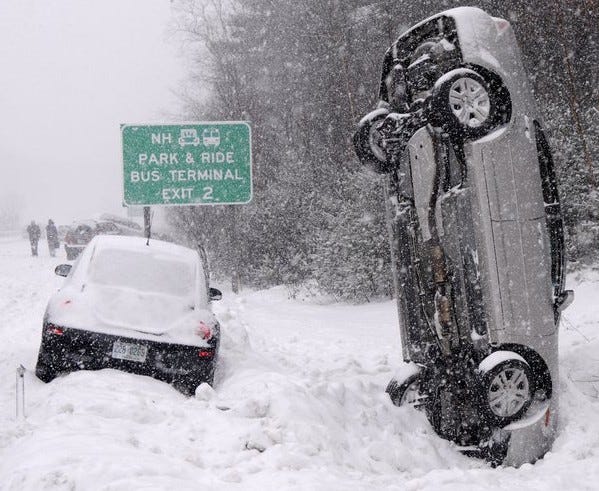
(89, 223)
(142, 245)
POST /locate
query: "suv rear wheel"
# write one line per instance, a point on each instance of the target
(506, 386)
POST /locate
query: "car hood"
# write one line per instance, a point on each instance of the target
(127, 312)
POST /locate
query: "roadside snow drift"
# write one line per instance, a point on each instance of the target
(298, 403)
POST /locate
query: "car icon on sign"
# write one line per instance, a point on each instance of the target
(189, 136)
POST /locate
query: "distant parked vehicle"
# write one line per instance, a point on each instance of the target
(81, 233)
(135, 306)
(77, 238)
(125, 226)
(107, 228)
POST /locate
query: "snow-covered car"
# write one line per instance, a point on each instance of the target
(476, 234)
(135, 305)
(77, 237)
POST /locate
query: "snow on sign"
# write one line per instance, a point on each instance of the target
(187, 164)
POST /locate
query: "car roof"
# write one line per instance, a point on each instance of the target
(89, 223)
(109, 217)
(142, 245)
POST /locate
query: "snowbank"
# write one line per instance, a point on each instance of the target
(298, 403)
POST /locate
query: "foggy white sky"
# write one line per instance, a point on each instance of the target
(70, 72)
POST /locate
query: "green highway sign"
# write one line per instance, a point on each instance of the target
(187, 164)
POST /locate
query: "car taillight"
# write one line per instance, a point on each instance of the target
(52, 329)
(205, 353)
(204, 331)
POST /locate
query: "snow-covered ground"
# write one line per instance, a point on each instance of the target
(298, 403)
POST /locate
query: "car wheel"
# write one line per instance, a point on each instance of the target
(43, 371)
(190, 384)
(368, 142)
(464, 104)
(406, 393)
(506, 387)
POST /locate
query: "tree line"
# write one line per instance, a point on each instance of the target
(304, 72)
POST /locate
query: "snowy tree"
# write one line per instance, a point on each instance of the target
(303, 73)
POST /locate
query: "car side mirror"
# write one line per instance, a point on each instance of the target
(63, 269)
(215, 294)
(564, 300)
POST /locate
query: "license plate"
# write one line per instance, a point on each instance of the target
(129, 351)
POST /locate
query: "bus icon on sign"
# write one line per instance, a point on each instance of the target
(189, 136)
(211, 137)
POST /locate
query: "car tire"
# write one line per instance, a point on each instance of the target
(191, 383)
(506, 387)
(46, 373)
(406, 392)
(465, 104)
(367, 142)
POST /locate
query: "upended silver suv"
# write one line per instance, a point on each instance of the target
(476, 234)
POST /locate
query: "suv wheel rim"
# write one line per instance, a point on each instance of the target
(469, 102)
(375, 141)
(508, 392)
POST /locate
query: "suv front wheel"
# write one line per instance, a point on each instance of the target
(368, 142)
(463, 104)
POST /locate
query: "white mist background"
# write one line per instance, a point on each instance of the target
(71, 71)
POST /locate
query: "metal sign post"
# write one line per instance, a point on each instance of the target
(20, 392)
(147, 222)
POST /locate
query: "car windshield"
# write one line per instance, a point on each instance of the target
(146, 272)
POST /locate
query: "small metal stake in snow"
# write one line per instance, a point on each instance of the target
(20, 392)
(147, 224)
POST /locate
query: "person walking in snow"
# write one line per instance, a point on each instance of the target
(52, 236)
(34, 236)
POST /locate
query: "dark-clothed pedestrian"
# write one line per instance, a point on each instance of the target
(52, 236)
(34, 236)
